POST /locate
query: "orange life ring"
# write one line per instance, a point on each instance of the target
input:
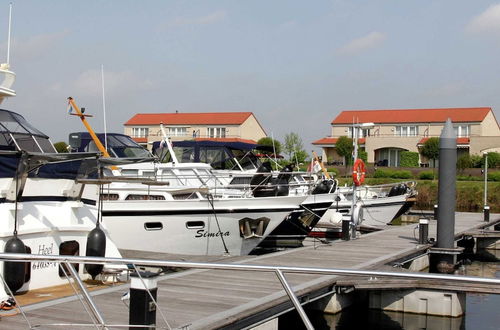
(358, 172)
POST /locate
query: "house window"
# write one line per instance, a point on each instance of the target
(216, 132)
(362, 132)
(406, 131)
(462, 130)
(177, 131)
(139, 131)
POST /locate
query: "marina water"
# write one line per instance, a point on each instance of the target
(481, 312)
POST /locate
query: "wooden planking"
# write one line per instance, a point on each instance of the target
(216, 298)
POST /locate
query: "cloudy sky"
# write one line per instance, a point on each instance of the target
(294, 64)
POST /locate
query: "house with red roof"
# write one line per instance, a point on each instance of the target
(144, 128)
(397, 130)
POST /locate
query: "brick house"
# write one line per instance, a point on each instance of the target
(407, 130)
(144, 128)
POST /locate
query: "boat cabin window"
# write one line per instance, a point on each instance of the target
(247, 159)
(16, 132)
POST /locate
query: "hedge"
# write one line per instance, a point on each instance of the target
(409, 159)
(379, 173)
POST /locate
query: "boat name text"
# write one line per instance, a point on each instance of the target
(203, 233)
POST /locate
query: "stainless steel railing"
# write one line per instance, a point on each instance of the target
(280, 271)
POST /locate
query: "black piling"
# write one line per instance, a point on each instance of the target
(423, 231)
(486, 213)
(444, 256)
(143, 290)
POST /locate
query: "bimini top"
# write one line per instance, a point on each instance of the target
(119, 145)
(17, 134)
(220, 155)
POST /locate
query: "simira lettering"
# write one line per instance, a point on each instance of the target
(44, 250)
(203, 233)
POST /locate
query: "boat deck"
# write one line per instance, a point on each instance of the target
(210, 299)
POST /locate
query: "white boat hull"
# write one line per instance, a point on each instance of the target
(192, 226)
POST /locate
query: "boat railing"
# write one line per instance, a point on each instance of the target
(382, 190)
(137, 265)
(217, 181)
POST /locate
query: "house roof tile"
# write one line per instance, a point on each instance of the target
(192, 118)
(412, 115)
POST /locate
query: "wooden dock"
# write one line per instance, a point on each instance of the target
(212, 299)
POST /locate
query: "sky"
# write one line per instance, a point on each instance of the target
(295, 64)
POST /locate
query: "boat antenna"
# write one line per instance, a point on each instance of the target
(8, 35)
(104, 108)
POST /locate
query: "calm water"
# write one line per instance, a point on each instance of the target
(482, 312)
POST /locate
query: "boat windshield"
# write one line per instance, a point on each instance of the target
(17, 134)
(120, 146)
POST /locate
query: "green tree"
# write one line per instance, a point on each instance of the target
(463, 162)
(268, 142)
(430, 149)
(300, 156)
(61, 147)
(293, 146)
(344, 148)
(493, 160)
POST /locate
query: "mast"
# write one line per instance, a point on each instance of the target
(8, 34)
(104, 108)
(87, 126)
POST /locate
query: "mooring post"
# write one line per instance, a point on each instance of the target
(486, 213)
(435, 211)
(423, 231)
(444, 256)
(346, 229)
(142, 310)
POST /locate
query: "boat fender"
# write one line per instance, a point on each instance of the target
(357, 215)
(14, 273)
(96, 247)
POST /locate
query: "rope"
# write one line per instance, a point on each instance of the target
(210, 199)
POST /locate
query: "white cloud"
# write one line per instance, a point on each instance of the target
(371, 40)
(202, 20)
(34, 46)
(487, 21)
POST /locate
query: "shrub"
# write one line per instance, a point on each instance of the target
(463, 162)
(409, 159)
(494, 176)
(363, 155)
(468, 178)
(379, 173)
(426, 175)
(476, 161)
(493, 159)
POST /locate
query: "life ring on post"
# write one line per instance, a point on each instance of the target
(358, 172)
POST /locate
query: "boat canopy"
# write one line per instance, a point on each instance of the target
(219, 154)
(119, 145)
(17, 134)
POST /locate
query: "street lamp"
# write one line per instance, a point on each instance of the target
(486, 208)
(355, 128)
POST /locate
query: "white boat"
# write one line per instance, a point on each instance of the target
(43, 209)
